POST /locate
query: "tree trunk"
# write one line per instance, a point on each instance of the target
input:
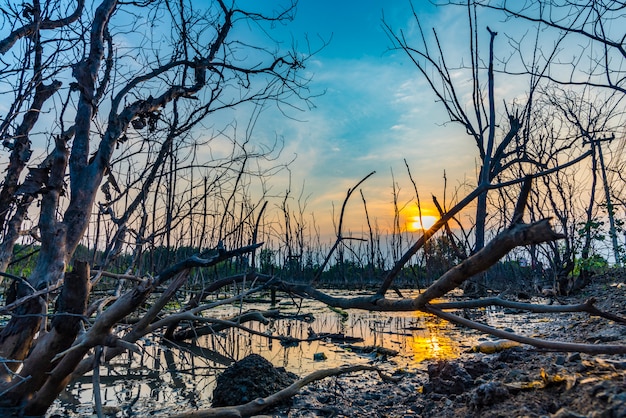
(71, 307)
(481, 220)
(474, 285)
(17, 336)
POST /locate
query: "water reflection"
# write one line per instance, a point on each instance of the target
(178, 376)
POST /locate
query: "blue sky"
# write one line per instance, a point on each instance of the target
(376, 111)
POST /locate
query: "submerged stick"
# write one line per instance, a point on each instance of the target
(258, 405)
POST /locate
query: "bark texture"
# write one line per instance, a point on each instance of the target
(65, 324)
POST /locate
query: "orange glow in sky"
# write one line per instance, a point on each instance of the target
(417, 223)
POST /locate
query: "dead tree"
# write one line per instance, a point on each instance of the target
(92, 111)
(591, 66)
(497, 150)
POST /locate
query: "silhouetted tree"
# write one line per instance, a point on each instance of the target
(101, 102)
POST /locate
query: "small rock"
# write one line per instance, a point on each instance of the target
(603, 338)
(603, 395)
(619, 398)
(509, 356)
(517, 375)
(606, 413)
(476, 368)
(324, 398)
(573, 357)
(110, 410)
(581, 368)
(488, 394)
(448, 377)
(600, 390)
(319, 356)
(407, 387)
(619, 410)
(371, 396)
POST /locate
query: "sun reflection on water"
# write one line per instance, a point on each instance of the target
(170, 376)
(433, 343)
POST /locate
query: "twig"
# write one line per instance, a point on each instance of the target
(108, 340)
(8, 308)
(457, 251)
(130, 277)
(21, 381)
(256, 232)
(518, 213)
(340, 236)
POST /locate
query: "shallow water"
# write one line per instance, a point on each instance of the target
(177, 377)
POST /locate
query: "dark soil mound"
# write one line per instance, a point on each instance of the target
(449, 378)
(248, 379)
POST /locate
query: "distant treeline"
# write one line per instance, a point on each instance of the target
(340, 273)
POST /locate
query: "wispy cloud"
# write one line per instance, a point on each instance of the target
(377, 111)
(375, 114)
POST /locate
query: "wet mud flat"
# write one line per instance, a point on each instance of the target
(439, 375)
(515, 382)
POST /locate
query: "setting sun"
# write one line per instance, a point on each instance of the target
(425, 222)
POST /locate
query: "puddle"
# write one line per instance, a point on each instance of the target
(177, 377)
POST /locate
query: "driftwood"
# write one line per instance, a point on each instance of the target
(369, 349)
(258, 405)
(536, 342)
(149, 323)
(203, 352)
(588, 307)
(519, 234)
(194, 332)
(199, 297)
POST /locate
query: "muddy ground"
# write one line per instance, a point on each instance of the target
(516, 382)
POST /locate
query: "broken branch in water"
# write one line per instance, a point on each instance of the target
(536, 342)
(258, 405)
